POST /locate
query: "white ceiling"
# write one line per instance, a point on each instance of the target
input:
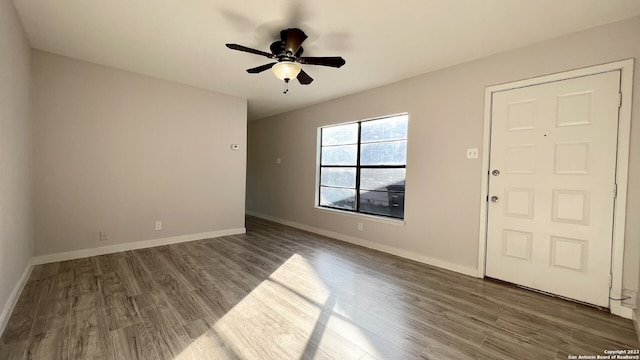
(383, 41)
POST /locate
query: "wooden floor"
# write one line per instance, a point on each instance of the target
(280, 293)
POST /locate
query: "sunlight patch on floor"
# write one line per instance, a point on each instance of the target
(207, 346)
(276, 321)
(282, 318)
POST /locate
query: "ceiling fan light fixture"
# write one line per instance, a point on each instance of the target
(286, 70)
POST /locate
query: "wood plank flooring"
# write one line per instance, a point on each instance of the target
(280, 293)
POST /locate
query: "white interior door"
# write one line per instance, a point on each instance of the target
(552, 186)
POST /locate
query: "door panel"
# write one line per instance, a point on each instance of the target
(550, 216)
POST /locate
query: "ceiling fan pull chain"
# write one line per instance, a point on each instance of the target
(286, 86)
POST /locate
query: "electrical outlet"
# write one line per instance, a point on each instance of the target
(278, 161)
(103, 236)
(360, 227)
(158, 226)
(472, 153)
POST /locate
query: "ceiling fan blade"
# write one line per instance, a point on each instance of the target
(333, 61)
(249, 50)
(293, 38)
(261, 68)
(304, 78)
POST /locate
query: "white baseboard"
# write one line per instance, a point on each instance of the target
(617, 309)
(49, 258)
(375, 246)
(15, 295)
(635, 319)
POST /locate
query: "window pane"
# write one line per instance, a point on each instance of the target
(337, 135)
(339, 198)
(382, 179)
(374, 202)
(387, 153)
(339, 155)
(388, 203)
(340, 177)
(393, 128)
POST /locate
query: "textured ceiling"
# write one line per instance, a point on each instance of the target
(382, 41)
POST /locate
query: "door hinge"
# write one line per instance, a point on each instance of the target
(619, 99)
(615, 191)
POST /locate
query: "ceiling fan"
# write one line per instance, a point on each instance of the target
(288, 55)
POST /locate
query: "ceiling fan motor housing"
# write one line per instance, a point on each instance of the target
(278, 50)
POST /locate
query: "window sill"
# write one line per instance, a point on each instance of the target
(380, 219)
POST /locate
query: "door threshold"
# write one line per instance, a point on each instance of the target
(510, 284)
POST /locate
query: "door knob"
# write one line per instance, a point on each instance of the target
(495, 172)
(495, 199)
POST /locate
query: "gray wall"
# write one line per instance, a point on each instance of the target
(114, 151)
(446, 110)
(16, 225)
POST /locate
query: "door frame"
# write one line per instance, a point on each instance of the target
(622, 168)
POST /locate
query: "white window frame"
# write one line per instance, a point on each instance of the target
(356, 214)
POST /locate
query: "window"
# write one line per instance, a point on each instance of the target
(363, 166)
